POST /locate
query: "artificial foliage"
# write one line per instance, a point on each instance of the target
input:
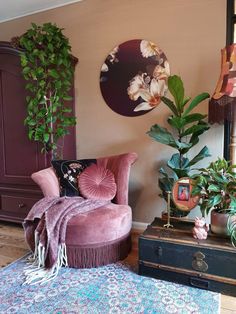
(47, 66)
(185, 128)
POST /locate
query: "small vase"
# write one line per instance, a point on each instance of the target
(219, 223)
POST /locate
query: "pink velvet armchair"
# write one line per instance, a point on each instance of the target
(101, 236)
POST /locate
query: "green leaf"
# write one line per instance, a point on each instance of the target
(215, 200)
(163, 172)
(67, 98)
(194, 117)
(34, 26)
(176, 122)
(166, 184)
(176, 88)
(177, 162)
(31, 122)
(53, 73)
(195, 102)
(183, 146)
(46, 137)
(195, 137)
(162, 135)
(232, 202)
(179, 165)
(204, 152)
(50, 47)
(196, 191)
(26, 70)
(170, 104)
(186, 101)
(30, 134)
(24, 60)
(213, 188)
(194, 129)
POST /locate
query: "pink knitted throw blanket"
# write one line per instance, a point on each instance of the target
(46, 223)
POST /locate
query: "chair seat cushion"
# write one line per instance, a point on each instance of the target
(107, 223)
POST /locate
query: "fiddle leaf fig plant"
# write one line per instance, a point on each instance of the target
(47, 66)
(185, 128)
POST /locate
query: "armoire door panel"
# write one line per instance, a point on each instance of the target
(15, 146)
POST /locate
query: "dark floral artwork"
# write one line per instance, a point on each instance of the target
(134, 77)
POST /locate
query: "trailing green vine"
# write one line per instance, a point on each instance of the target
(47, 66)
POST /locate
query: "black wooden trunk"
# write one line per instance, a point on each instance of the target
(174, 255)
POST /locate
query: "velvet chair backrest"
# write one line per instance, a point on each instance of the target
(120, 166)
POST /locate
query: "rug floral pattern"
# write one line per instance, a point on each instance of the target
(110, 289)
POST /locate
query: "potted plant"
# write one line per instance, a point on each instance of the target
(216, 186)
(47, 66)
(186, 127)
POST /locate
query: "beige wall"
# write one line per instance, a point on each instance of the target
(190, 32)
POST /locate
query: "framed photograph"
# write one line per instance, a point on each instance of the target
(181, 194)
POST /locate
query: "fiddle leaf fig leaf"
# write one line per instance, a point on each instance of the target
(179, 165)
(194, 117)
(195, 102)
(176, 122)
(186, 101)
(162, 171)
(194, 130)
(204, 152)
(162, 135)
(176, 88)
(170, 104)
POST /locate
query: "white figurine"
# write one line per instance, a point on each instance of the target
(201, 228)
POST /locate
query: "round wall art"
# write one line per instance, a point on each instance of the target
(134, 77)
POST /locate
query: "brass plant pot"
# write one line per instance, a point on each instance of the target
(219, 223)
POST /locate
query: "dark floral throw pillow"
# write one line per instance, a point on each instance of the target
(67, 172)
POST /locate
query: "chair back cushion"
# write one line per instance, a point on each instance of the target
(97, 182)
(47, 181)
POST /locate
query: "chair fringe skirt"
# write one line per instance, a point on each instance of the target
(99, 254)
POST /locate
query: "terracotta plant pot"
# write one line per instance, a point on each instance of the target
(219, 223)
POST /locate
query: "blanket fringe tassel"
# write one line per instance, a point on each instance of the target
(36, 272)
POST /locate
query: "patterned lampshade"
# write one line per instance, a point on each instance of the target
(221, 105)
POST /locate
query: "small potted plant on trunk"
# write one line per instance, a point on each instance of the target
(217, 186)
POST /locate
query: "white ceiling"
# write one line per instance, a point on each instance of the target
(12, 9)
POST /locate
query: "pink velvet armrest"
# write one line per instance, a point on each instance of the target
(120, 166)
(47, 181)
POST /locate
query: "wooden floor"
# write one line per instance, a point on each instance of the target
(13, 246)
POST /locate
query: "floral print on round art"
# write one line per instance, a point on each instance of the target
(134, 77)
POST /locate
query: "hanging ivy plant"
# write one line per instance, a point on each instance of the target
(47, 66)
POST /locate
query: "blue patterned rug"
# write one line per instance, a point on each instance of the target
(109, 289)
